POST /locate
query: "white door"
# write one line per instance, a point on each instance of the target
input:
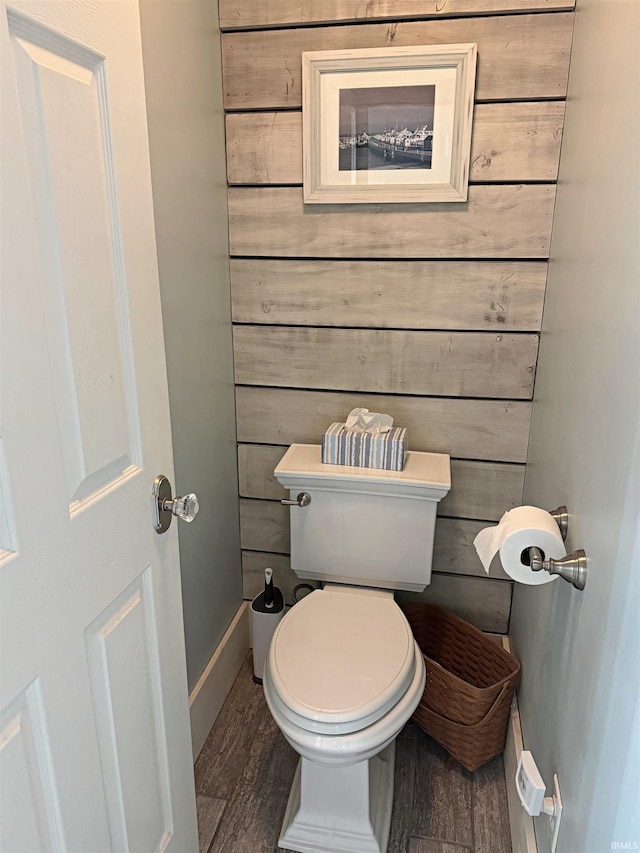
(95, 751)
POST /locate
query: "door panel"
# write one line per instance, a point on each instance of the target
(122, 650)
(26, 777)
(64, 109)
(8, 542)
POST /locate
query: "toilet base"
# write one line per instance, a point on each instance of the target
(340, 809)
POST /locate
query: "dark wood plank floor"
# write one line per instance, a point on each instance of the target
(246, 767)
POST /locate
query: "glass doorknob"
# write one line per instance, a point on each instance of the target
(185, 508)
(164, 506)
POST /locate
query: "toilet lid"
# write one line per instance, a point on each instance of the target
(341, 658)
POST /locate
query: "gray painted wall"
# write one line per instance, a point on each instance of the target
(579, 691)
(180, 40)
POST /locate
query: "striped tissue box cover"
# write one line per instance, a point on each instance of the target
(342, 446)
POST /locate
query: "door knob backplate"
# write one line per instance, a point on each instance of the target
(164, 506)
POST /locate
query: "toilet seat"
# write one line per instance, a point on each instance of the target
(334, 750)
(340, 660)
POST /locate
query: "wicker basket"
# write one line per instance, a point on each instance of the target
(470, 685)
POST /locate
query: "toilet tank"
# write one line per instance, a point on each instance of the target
(364, 526)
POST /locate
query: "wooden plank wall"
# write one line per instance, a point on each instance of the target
(429, 312)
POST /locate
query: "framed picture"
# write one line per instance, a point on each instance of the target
(387, 124)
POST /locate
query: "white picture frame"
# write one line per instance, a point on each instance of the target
(349, 100)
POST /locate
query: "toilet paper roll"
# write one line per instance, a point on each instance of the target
(518, 530)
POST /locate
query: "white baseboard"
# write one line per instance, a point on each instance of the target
(214, 684)
(523, 839)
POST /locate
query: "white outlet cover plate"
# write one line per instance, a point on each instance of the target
(529, 784)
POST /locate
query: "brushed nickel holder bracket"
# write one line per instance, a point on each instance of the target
(561, 517)
(573, 567)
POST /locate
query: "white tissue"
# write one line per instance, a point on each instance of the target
(519, 529)
(362, 420)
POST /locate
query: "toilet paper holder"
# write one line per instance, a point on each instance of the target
(573, 567)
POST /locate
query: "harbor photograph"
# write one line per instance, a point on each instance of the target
(389, 127)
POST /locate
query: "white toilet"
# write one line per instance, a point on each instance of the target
(344, 674)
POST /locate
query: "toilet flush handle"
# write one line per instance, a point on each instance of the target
(303, 499)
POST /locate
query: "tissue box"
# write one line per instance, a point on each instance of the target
(342, 446)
